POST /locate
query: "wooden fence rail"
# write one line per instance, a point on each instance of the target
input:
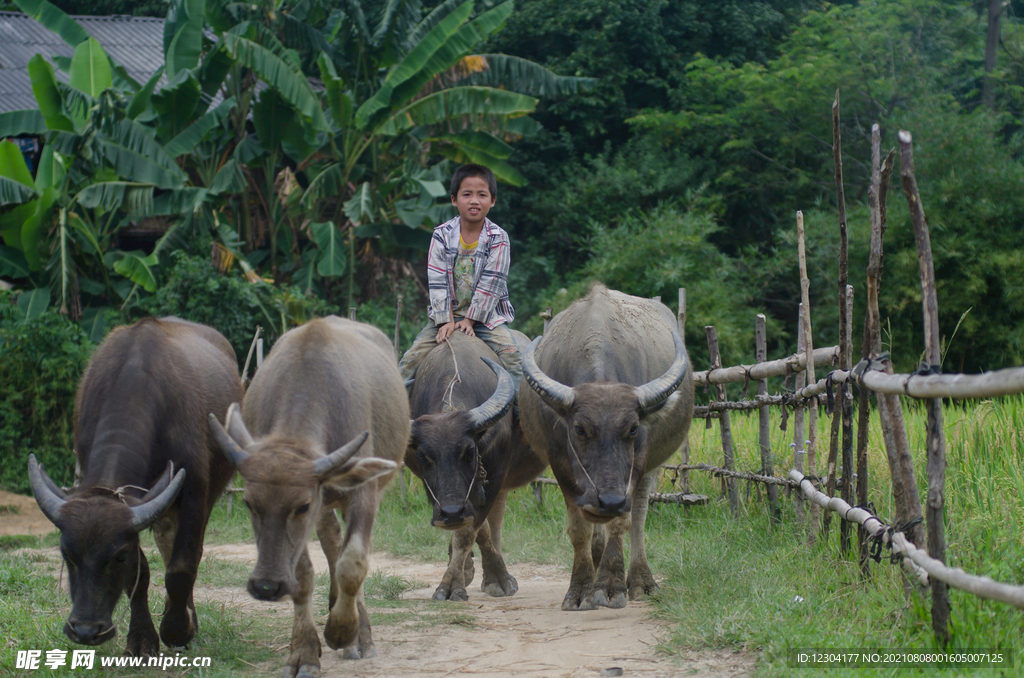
(823, 357)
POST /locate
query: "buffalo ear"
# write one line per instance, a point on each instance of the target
(356, 472)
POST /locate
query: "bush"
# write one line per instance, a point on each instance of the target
(41, 362)
(196, 291)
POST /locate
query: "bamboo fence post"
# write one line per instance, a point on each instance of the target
(936, 438)
(760, 333)
(684, 450)
(833, 459)
(728, 484)
(398, 325)
(351, 312)
(798, 418)
(812, 418)
(846, 479)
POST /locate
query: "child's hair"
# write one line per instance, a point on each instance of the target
(472, 170)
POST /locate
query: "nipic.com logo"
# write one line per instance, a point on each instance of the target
(35, 660)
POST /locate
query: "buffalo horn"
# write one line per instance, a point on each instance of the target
(45, 491)
(340, 455)
(160, 484)
(654, 393)
(486, 414)
(236, 427)
(555, 394)
(227, 444)
(146, 514)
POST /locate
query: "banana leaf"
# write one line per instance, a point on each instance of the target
(138, 268)
(331, 244)
(456, 102)
(44, 87)
(90, 68)
(14, 123)
(12, 263)
(54, 19)
(33, 303)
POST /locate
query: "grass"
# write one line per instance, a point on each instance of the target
(726, 583)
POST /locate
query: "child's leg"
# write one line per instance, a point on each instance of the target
(423, 344)
(501, 342)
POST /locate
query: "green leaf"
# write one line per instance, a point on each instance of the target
(54, 19)
(212, 71)
(33, 230)
(135, 199)
(90, 68)
(332, 248)
(434, 188)
(33, 303)
(411, 67)
(179, 201)
(480, 141)
(525, 76)
(13, 263)
(15, 193)
(140, 102)
(329, 182)
(277, 73)
(230, 179)
(270, 116)
(194, 133)
(14, 123)
(175, 103)
(12, 220)
(360, 207)
(134, 155)
(51, 169)
(458, 102)
(185, 48)
(94, 323)
(92, 243)
(338, 101)
(138, 268)
(503, 171)
(44, 87)
(12, 166)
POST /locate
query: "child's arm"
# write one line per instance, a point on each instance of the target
(438, 288)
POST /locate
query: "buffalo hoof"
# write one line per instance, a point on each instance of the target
(340, 635)
(643, 588)
(501, 589)
(178, 626)
(147, 645)
(600, 597)
(305, 671)
(355, 652)
(574, 602)
(457, 593)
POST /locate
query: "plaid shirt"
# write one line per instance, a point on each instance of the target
(490, 304)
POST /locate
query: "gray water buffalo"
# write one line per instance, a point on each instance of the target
(323, 426)
(140, 422)
(610, 398)
(469, 454)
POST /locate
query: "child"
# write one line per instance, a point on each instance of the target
(467, 270)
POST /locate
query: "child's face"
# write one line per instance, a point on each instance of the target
(473, 201)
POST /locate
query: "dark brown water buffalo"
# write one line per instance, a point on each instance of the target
(610, 398)
(469, 454)
(323, 426)
(140, 412)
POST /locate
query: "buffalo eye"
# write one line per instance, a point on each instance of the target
(302, 509)
(634, 430)
(580, 431)
(121, 558)
(424, 460)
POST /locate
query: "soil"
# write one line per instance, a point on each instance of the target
(523, 636)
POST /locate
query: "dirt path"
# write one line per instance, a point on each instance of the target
(525, 636)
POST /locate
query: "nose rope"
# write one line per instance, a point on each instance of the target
(480, 471)
(450, 391)
(568, 440)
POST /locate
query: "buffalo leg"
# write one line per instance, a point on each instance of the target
(348, 623)
(453, 583)
(328, 529)
(496, 519)
(640, 580)
(610, 585)
(304, 660)
(142, 638)
(179, 537)
(579, 595)
(497, 581)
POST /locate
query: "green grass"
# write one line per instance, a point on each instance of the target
(726, 583)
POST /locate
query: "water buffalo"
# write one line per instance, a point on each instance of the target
(140, 412)
(469, 454)
(610, 398)
(323, 426)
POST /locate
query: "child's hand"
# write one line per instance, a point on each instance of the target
(466, 326)
(445, 331)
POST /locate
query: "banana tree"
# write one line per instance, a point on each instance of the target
(410, 93)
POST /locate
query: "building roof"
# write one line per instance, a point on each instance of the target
(136, 43)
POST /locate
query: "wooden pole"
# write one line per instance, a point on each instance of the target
(812, 418)
(351, 312)
(799, 453)
(761, 335)
(729, 485)
(684, 450)
(846, 393)
(398, 325)
(936, 438)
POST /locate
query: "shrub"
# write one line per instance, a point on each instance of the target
(41, 361)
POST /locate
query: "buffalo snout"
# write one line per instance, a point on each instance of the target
(89, 633)
(453, 516)
(600, 508)
(267, 589)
